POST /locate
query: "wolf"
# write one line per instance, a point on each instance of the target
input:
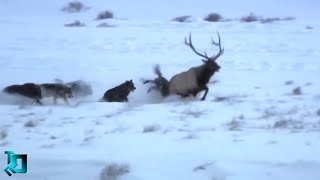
(161, 84)
(79, 88)
(119, 93)
(56, 91)
(29, 90)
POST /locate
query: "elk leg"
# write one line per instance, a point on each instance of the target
(205, 93)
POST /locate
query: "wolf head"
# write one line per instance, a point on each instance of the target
(130, 85)
(68, 92)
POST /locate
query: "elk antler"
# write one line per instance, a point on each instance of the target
(194, 50)
(213, 58)
(221, 50)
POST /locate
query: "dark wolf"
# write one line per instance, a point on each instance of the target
(119, 93)
(29, 90)
(79, 88)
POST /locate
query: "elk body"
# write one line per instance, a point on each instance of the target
(195, 80)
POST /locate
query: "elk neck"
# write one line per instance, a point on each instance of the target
(204, 74)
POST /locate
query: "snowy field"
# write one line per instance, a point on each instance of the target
(254, 124)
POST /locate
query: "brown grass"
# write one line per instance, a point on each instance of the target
(74, 7)
(75, 24)
(297, 91)
(114, 171)
(250, 18)
(182, 19)
(213, 17)
(105, 15)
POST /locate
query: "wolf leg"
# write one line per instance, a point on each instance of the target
(55, 99)
(148, 81)
(152, 88)
(65, 100)
(38, 102)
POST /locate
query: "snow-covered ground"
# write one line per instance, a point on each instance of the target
(251, 126)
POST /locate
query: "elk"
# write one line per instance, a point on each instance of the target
(161, 84)
(195, 80)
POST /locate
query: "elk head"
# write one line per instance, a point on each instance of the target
(209, 62)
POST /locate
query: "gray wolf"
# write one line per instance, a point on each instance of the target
(79, 88)
(56, 91)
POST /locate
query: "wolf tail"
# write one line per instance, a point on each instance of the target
(157, 70)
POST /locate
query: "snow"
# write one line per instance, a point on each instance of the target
(251, 126)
